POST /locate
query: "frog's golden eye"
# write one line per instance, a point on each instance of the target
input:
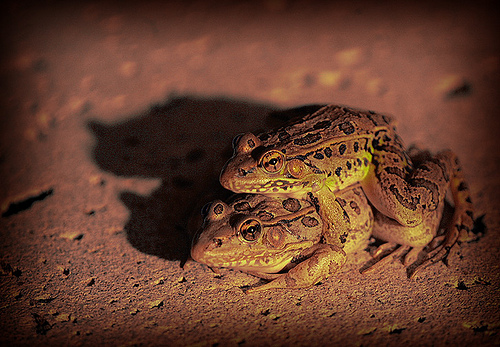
(250, 230)
(272, 161)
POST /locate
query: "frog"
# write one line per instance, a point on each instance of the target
(279, 239)
(317, 156)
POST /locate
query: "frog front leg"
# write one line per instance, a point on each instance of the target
(336, 223)
(313, 265)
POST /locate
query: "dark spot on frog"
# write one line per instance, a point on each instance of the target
(346, 217)
(283, 136)
(314, 200)
(343, 238)
(307, 139)
(265, 216)
(338, 171)
(217, 243)
(218, 209)
(291, 205)
(341, 201)
(251, 143)
(347, 128)
(356, 147)
(309, 221)
(349, 165)
(264, 137)
(342, 148)
(322, 125)
(461, 285)
(328, 152)
(358, 161)
(386, 119)
(319, 155)
(242, 206)
(355, 207)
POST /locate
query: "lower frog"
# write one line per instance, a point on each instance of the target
(279, 239)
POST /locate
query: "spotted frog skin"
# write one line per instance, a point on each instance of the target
(279, 239)
(322, 154)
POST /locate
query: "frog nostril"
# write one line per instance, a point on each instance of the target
(217, 243)
(242, 172)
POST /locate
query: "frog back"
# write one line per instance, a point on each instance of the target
(330, 124)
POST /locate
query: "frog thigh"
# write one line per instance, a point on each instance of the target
(323, 260)
(407, 197)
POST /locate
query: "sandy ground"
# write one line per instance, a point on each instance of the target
(117, 118)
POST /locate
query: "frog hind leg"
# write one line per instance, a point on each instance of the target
(320, 262)
(423, 236)
(460, 228)
(402, 192)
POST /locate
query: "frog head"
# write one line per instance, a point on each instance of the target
(266, 169)
(256, 233)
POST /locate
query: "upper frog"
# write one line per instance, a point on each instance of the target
(331, 147)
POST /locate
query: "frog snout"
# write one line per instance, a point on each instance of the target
(203, 246)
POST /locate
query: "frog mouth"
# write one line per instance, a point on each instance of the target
(269, 187)
(268, 261)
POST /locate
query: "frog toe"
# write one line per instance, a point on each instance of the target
(384, 255)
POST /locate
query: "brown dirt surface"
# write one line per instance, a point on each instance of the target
(118, 116)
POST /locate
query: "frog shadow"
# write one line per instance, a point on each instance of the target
(184, 143)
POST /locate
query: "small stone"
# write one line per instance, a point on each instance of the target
(156, 303)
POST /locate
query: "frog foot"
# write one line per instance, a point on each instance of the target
(436, 254)
(414, 259)
(320, 262)
(384, 254)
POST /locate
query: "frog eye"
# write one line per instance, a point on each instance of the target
(272, 161)
(250, 230)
